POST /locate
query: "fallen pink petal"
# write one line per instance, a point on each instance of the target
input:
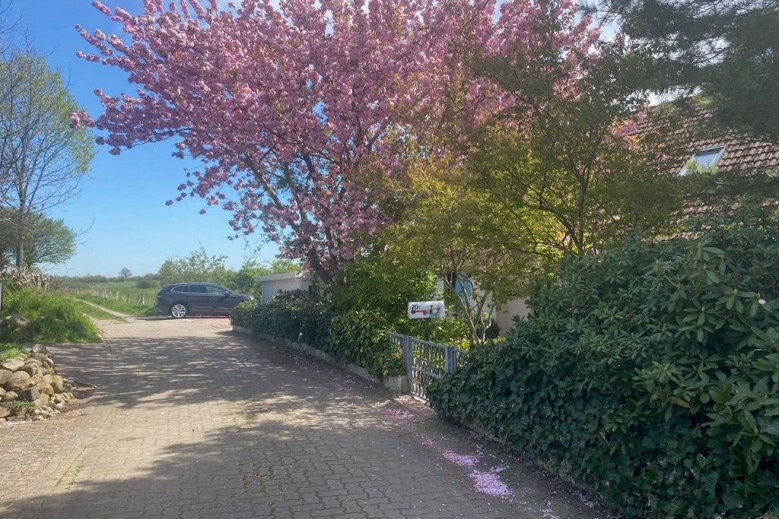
(499, 468)
(489, 483)
(398, 415)
(427, 441)
(547, 511)
(464, 460)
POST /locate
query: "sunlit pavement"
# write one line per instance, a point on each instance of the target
(188, 419)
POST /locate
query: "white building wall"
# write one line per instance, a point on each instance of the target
(504, 315)
(275, 283)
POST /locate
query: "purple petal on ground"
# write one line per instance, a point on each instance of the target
(547, 511)
(464, 460)
(490, 483)
(427, 441)
(397, 415)
(589, 503)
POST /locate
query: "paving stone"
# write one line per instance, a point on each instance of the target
(190, 420)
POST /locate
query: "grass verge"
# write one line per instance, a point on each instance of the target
(51, 317)
(118, 306)
(95, 312)
(9, 351)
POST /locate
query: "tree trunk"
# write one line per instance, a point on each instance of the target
(20, 255)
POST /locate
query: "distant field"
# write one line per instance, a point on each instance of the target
(122, 296)
(125, 291)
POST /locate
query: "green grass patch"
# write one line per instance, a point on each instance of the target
(125, 288)
(127, 291)
(95, 312)
(121, 305)
(53, 318)
(23, 407)
(9, 351)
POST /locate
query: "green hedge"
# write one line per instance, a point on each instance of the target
(357, 337)
(294, 315)
(648, 374)
(360, 337)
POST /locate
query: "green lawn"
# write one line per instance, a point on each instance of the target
(126, 291)
(52, 318)
(132, 305)
(93, 311)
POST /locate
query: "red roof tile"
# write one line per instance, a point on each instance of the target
(693, 134)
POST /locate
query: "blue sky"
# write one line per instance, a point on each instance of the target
(120, 214)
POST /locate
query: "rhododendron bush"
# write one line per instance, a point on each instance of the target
(646, 373)
(304, 114)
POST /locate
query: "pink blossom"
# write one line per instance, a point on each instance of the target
(75, 120)
(547, 512)
(304, 110)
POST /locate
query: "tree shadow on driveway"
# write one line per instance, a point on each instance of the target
(219, 425)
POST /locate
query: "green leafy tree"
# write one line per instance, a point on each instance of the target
(50, 241)
(384, 282)
(42, 159)
(555, 174)
(245, 280)
(727, 50)
(443, 233)
(45, 240)
(198, 266)
(562, 170)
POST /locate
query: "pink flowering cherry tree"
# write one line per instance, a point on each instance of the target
(293, 110)
(304, 113)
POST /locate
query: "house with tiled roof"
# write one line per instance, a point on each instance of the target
(697, 142)
(735, 153)
(691, 143)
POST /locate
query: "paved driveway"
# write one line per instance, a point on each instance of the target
(189, 419)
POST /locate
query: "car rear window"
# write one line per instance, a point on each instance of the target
(182, 288)
(197, 289)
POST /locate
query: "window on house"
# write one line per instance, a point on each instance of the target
(703, 159)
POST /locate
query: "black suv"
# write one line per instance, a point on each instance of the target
(182, 299)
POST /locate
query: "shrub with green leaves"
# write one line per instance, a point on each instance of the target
(357, 337)
(23, 407)
(360, 337)
(380, 283)
(147, 283)
(295, 315)
(53, 318)
(648, 373)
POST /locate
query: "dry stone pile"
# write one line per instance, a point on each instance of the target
(31, 386)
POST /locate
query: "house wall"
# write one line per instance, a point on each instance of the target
(271, 287)
(504, 315)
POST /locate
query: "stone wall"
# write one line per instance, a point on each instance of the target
(31, 386)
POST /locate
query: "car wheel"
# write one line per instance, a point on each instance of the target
(178, 310)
